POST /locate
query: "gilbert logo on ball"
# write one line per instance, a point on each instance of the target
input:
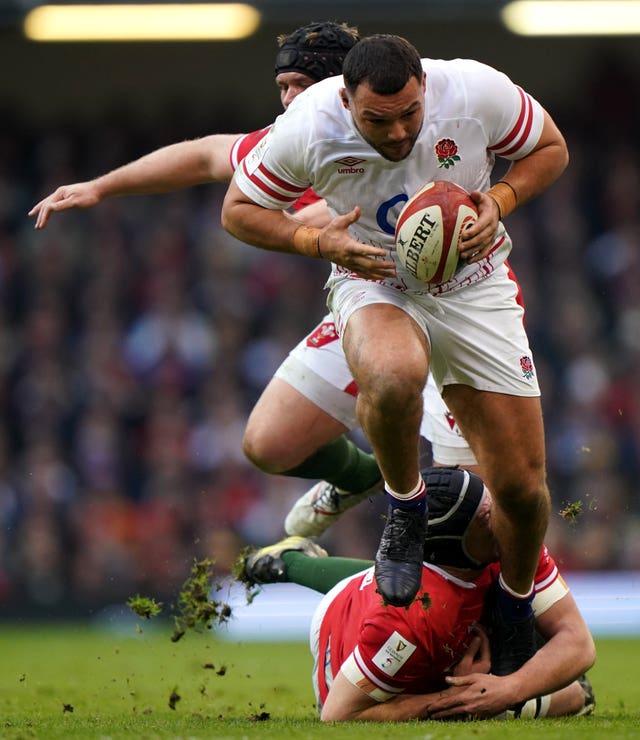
(429, 229)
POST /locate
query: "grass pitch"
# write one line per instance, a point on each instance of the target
(80, 682)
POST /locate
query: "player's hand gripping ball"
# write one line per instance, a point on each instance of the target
(429, 229)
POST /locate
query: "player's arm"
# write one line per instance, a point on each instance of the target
(347, 703)
(532, 175)
(568, 653)
(271, 229)
(170, 168)
(526, 179)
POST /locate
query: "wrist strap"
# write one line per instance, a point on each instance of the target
(505, 196)
(306, 240)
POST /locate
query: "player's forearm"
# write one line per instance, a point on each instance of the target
(265, 228)
(529, 177)
(173, 167)
(533, 175)
(568, 654)
(419, 706)
(347, 702)
(400, 708)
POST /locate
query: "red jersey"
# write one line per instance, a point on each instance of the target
(387, 650)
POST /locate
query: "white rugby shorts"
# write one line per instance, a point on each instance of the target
(448, 445)
(317, 368)
(476, 333)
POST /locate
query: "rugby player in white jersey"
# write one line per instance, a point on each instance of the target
(298, 425)
(390, 118)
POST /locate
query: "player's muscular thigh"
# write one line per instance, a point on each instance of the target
(495, 422)
(285, 428)
(386, 351)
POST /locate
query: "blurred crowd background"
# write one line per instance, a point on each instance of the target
(135, 338)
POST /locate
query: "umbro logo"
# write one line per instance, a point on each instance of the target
(350, 166)
(350, 161)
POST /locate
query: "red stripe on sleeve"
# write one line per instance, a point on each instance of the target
(264, 187)
(514, 131)
(279, 183)
(244, 144)
(525, 133)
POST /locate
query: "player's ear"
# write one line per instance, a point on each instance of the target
(344, 97)
(424, 81)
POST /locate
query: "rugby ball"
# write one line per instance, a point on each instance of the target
(429, 229)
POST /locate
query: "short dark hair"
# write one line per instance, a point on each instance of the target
(317, 50)
(385, 62)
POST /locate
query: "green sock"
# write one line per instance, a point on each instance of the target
(342, 463)
(320, 574)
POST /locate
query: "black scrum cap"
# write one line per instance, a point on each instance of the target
(453, 498)
(317, 50)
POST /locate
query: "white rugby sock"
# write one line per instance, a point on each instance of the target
(513, 593)
(417, 492)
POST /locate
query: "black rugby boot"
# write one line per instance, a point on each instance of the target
(398, 568)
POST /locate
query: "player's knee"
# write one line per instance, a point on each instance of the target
(263, 451)
(395, 388)
(526, 499)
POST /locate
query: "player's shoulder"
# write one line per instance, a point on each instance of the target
(316, 116)
(457, 66)
(323, 95)
(468, 74)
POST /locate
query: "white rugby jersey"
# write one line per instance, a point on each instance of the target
(472, 113)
